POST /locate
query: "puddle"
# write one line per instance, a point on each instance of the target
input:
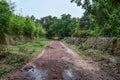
(39, 74)
(66, 58)
(68, 74)
(36, 74)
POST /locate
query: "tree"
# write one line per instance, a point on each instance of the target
(99, 15)
(33, 18)
(29, 28)
(5, 14)
(40, 31)
(16, 25)
(60, 27)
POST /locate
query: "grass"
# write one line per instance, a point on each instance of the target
(84, 51)
(108, 63)
(15, 56)
(6, 69)
(83, 46)
(76, 49)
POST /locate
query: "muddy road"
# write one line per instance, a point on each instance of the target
(58, 62)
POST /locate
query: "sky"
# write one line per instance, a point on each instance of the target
(42, 8)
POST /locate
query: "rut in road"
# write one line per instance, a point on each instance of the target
(58, 62)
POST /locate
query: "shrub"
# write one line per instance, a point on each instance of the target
(5, 13)
(29, 28)
(39, 30)
(83, 46)
(16, 25)
(6, 69)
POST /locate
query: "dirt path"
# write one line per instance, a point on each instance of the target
(58, 62)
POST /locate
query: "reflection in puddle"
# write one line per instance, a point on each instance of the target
(68, 74)
(65, 58)
(36, 74)
(33, 73)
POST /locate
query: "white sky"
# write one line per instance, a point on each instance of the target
(42, 8)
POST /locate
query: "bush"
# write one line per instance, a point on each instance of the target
(39, 30)
(16, 25)
(83, 46)
(5, 14)
(81, 33)
(6, 69)
(29, 28)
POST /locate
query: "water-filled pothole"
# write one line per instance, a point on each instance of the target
(36, 74)
(66, 58)
(69, 74)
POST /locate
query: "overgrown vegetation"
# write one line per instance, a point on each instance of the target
(101, 18)
(5, 70)
(60, 27)
(12, 57)
(88, 53)
(83, 46)
(107, 62)
(12, 24)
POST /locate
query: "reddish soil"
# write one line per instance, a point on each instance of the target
(58, 62)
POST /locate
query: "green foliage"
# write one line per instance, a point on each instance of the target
(112, 26)
(5, 14)
(16, 60)
(13, 57)
(6, 69)
(32, 48)
(63, 27)
(97, 56)
(101, 17)
(16, 25)
(40, 31)
(83, 46)
(29, 28)
(19, 25)
(81, 33)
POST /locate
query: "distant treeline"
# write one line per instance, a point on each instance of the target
(101, 18)
(60, 27)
